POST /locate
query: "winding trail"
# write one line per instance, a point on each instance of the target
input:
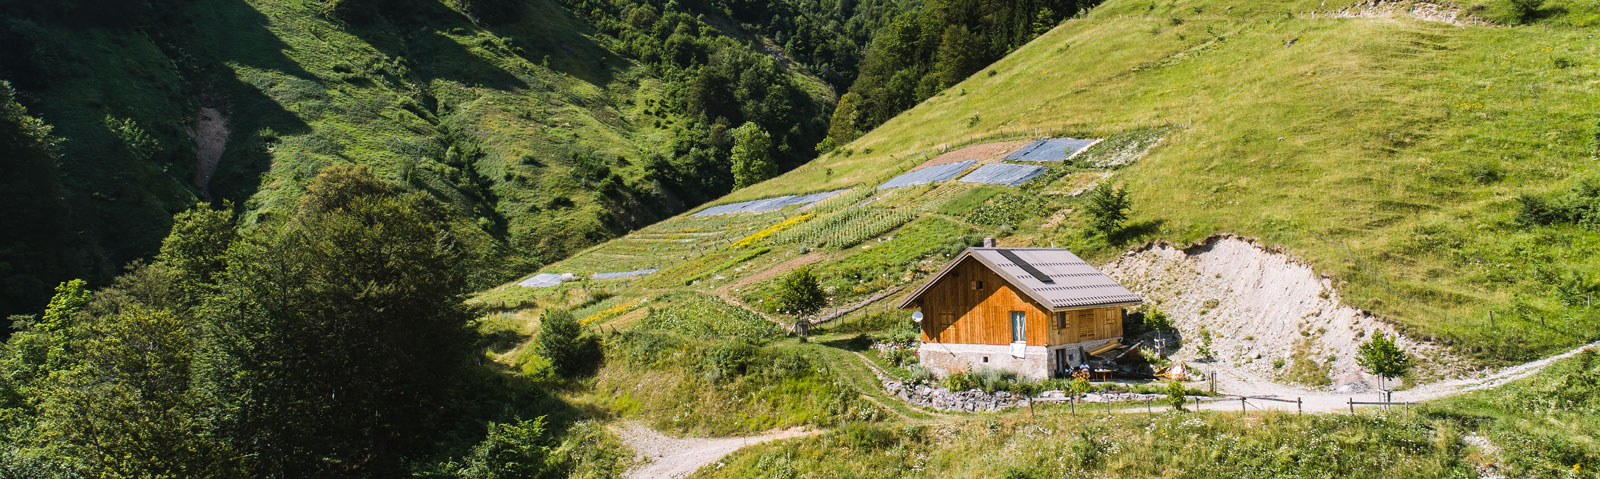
(663, 456)
(1234, 382)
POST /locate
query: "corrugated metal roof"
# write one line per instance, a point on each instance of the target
(1073, 283)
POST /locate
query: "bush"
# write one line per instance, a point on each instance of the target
(986, 379)
(728, 360)
(916, 374)
(512, 450)
(1176, 394)
(1108, 208)
(562, 341)
(1485, 172)
(1157, 320)
(800, 294)
(1204, 349)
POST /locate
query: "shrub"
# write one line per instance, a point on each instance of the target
(959, 381)
(1108, 208)
(1204, 348)
(991, 380)
(1524, 10)
(562, 341)
(1157, 320)
(1176, 394)
(800, 293)
(916, 374)
(512, 450)
(728, 360)
(1485, 172)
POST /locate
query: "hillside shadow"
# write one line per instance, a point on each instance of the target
(221, 35)
(417, 35)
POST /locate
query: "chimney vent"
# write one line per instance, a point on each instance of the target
(988, 242)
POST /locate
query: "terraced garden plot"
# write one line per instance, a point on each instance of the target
(846, 228)
(932, 174)
(1003, 174)
(1051, 149)
(768, 204)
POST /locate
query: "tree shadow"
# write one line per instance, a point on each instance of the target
(1135, 231)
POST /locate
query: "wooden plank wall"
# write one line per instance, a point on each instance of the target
(1086, 325)
(954, 312)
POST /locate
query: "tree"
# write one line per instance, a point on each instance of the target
(1108, 208)
(1157, 320)
(197, 246)
(843, 127)
(337, 334)
(1176, 394)
(752, 155)
(39, 347)
(562, 341)
(800, 293)
(1383, 357)
(960, 53)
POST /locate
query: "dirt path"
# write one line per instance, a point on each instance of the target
(210, 138)
(769, 273)
(663, 456)
(1231, 381)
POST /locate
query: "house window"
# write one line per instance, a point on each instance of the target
(1019, 323)
(1061, 320)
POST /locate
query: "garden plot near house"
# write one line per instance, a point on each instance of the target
(932, 174)
(1051, 149)
(768, 204)
(1003, 174)
(623, 274)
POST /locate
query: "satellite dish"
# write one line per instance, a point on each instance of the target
(917, 316)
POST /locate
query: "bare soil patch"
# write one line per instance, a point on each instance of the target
(662, 456)
(210, 132)
(1264, 310)
(984, 153)
(1420, 10)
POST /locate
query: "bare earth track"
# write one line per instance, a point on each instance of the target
(663, 456)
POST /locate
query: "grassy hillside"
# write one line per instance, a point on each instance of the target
(547, 133)
(1396, 154)
(1535, 428)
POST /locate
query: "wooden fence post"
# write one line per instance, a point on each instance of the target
(1298, 408)
(1242, 409)
(1352, 403)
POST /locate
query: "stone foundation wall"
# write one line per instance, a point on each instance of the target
(1036, 362)
(943, 359)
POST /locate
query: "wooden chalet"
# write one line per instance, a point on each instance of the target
(1036, 311)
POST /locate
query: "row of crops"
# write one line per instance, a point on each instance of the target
(704, 316)
(846, 228)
